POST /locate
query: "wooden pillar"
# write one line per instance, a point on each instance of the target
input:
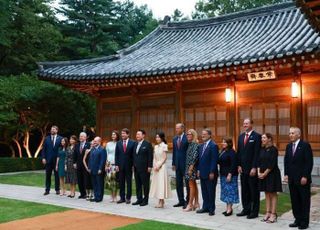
(134, 111)
(178, 104)
(98, 117)
(296, 110)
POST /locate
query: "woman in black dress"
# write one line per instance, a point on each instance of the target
(269, 176)
(87, 178)
(71, 172)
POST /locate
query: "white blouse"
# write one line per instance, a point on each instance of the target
(111, 151)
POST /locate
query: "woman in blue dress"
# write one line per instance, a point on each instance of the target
(60, 165)
(228, 175)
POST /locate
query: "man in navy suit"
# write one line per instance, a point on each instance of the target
(298, 163)
(208, 172)
(49, 158)
(78, 155)
(124, 162)
(180, 146)
(249, 145)
(142, 164)
(97, 160)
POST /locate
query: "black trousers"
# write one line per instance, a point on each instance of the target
(81, 174)
(250, 195)
(142, 179)
(125, 177)
(180, 175)
(300, 202)
(49, 168)
(208, 191)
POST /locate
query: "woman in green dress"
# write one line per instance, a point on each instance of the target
(60, 165)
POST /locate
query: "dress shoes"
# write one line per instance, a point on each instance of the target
(92, 200)
(242, 213)
(46, 193)
(128, 201)
(303, 227)
(252, 216)
(144, 203)
(82, 197)
(137, 202)
(120, 201)
(201, 211)
(294, 225)
(57, 192)
(211, 213)
(178, 205)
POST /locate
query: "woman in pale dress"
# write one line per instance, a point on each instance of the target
(160, 184)
(112, 176)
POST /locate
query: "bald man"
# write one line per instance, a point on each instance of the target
(78, 154)
(97, 160)
(298, 163)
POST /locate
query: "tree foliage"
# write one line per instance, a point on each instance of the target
(212, 8)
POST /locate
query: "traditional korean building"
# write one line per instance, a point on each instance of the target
(261, 63)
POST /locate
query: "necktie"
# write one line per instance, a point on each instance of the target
(204, 148)
(52, 140)
(81, 148)
(124, 146)
(246, 138)
(179, 142)
(293, 148)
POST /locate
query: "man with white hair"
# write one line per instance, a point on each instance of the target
(79, 152)
(298, 163)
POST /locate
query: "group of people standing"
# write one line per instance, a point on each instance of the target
(255, 160)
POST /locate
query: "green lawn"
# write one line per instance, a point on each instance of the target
(151, 225)
(284, 204)
(15, 209)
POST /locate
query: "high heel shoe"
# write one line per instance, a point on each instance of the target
(196, 207)
(229, 213)
(271, 221)
(266, 217)
(188, 209)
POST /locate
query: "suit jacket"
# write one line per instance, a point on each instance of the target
(228, 163)
(208, 160)
(78, 156)
(248, 155)
(50, 152)
(124, 159)
(179, 154)
(299, 165)
(143, 159)
(97, 160)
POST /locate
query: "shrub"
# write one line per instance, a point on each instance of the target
(8, 164)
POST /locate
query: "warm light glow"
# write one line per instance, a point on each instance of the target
(294, 89)
(228, 95)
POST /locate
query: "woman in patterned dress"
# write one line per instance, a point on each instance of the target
(71, 172)
(191, 172)
(160, 184)
(112, 176)
(228, 175)
(60, 165)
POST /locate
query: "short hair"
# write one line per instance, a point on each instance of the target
(229, 142)
(296, 129)
(194, 135)
(126, 130)
(208, 131)
(142, 131)
(83, 133)
(117, 134)
(250, 120)
(55, 127)
(181, 124)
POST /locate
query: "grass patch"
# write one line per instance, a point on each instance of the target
(151, 225)
(283, 206)
(14, 209)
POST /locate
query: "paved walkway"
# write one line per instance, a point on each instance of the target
(168, 214)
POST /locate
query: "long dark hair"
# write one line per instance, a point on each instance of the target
(229, 142)
(162, 137)
(117, 134)
(66, 143)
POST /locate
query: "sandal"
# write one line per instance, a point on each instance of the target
(266, 217)
(269, 221)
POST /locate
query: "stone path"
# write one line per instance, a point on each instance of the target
(168, 214)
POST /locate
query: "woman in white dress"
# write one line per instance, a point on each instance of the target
(160, 184)
(112, 178)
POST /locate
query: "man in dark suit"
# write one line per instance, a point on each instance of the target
(142, 164)
(49, 158)
(180, 146)
(97, 161)
(78, 154)
(249, 145)
(124, 162)
(208, 172)
(298, 163)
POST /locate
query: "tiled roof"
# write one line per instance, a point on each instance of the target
(249, 36)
